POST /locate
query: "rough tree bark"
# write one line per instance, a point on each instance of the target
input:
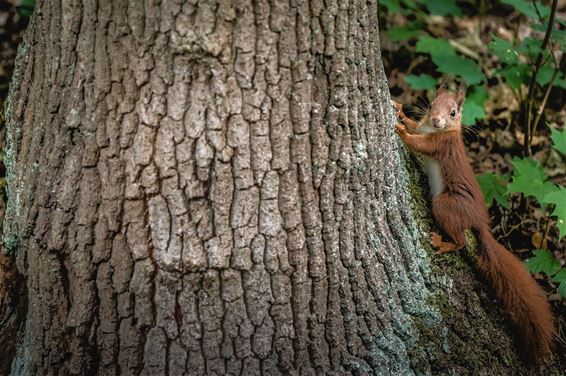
(214, 187)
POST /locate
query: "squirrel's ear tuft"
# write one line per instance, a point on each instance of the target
(461, 94)
(444, 86)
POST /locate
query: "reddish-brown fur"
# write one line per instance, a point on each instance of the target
(460, 206)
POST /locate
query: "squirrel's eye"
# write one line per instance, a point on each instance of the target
(453, 113)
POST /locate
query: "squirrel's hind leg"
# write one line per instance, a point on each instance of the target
(445, 247)
(447, 212)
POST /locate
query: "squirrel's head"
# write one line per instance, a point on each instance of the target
(446, 109)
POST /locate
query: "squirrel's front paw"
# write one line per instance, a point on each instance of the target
(397, 107)
(400, 129)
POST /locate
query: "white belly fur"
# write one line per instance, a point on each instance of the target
(432, 169)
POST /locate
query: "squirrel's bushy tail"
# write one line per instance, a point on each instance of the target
(521, 295)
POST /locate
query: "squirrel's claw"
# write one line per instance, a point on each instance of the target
(398, 107)
(436, 239)
(400, 129)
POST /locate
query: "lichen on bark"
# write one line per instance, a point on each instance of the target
(10, 239)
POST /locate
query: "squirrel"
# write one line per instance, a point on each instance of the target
(458, 204)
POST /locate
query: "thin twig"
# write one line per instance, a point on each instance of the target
(514, 227)
(414, 64)
(546, 59)
(545, 233)
(532, 84)
(547, 94)
(464, 50)
(516, 94)
(538, 12)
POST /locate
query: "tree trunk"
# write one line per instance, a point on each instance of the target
(215, 188)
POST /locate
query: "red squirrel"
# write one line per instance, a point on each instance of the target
(458, 205)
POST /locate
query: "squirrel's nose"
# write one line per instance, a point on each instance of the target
(436, 121)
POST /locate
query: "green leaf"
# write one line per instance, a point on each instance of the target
(411, 4)
(545, 74)
(558, 198)
(435, 46)
(558, 139)
(556, 34)
(401, 33)
(515, 75)
(393, 6)
(529, 167)
(530, 179)
(472, 111)
(421, 82)
(494, 188)
(443, 7)
(560, 277)
(503, 50)
(543, 261)
(24, 11)
(559, 36)
(560, 82)
(455, 65)
(530, 47)
(25, 7)
(528, 9)
(444, 56)
(473, 106)
(477, 94)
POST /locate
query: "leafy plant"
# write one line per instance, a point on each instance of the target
(421, 82)
(530, 179)
(559, 140)
(544, 262)
(443, 8)
(546, 16)
(558, 199)
(560, 277)
(25, 7)
(474, 105)
(494, 187)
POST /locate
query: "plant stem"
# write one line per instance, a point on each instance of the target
(545, 233)
(538, 12)
(547, 94)
(529, 104)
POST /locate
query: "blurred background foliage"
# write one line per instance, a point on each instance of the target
(511, 54)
